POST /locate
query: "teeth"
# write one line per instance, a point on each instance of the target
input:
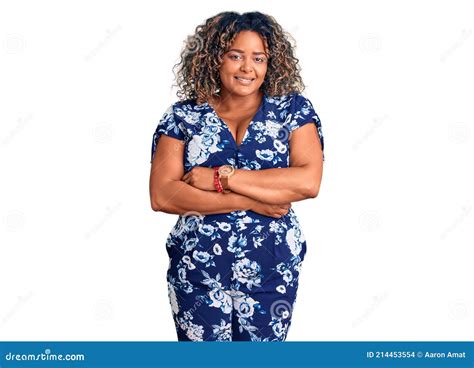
(244, 79)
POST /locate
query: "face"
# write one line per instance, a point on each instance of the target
(244, 65)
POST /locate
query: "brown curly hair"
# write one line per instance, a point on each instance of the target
(197, 75)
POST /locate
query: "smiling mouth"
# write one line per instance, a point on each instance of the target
(245, 79)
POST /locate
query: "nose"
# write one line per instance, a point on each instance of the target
(245, 66)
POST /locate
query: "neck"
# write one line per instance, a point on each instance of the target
(229, 101)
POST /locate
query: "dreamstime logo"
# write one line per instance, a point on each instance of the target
(459, 310)
(284, 134)
(178, 145)
(21, 300)
(194, 44)
(377, 299)
(281, 309)
(14, 220)
(14, 44)
(465, 34)
(370, 43)
(465, 211)
(103, 310)
(458, 132)
(195, 306)
(110, 34)
(21, 123)
(193, 220)
(369, 221)
(108, 214)
(103, 132)
(46, 356)
(377, 123)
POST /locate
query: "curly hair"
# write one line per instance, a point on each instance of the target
(197, 75)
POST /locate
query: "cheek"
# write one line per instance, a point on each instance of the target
(262, 71)
(228, 69)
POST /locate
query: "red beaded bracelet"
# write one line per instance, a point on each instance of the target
(217, 182)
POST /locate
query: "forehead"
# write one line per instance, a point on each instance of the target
(249, 41)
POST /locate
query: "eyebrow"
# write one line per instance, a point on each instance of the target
(242, 51)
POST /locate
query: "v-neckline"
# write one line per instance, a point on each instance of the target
(247, 132)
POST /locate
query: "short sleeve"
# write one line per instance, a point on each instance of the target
(168, 125)
(303, 113)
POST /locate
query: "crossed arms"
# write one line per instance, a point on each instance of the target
(173, 192)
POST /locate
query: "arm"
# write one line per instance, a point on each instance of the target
(171, 195)
(299, 181)
(179, 198)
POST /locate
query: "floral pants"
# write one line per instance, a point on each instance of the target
(234, 281)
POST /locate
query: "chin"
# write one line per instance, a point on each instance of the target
(242, 90)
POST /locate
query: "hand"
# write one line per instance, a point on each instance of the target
(272, 210)
(200, 177)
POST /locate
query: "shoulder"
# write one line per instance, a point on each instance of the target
(176, 113)
(289, 107)
(298, 111)
(187, 115)
(186, 109)
(181, 105)
(291, 101)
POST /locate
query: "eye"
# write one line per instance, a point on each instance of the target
(234, 56)
(261, 59)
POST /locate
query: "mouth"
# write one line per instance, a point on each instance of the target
(245, 81)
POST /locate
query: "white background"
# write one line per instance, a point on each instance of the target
(390, 236)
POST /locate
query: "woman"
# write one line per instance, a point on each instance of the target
(229, 158)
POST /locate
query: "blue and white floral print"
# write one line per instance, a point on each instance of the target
(234, 276)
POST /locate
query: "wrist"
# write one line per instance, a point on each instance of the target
(225, 172)
(217, 182)
(247, 203)
(231, 180)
